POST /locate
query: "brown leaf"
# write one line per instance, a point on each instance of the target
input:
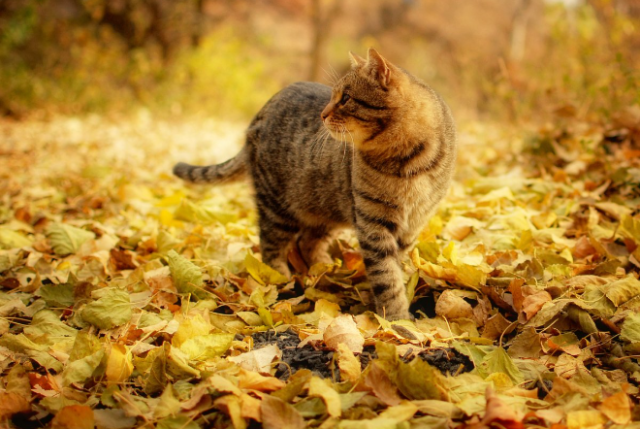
(379, 382)
(277, 414)
(533, 303)
(452, 306)
(122, 259)
(515, 287)
(343, 330)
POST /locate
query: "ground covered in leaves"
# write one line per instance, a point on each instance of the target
(129, 299)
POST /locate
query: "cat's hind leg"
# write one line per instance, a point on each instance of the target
(314, 243)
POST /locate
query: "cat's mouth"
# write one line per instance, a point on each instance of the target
(338, 131)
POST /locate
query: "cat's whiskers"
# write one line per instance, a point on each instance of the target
(332, 74)
(320, 138)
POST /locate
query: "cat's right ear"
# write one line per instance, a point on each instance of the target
(356, 60)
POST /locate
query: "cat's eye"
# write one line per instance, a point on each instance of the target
(344, 99)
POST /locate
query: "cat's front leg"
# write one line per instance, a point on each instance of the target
(381, 253)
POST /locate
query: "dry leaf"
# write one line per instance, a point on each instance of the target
(349, 365)
(277, 414)
(259, 360)
(617, 408)
(74, 417)
(343, 330)
(379, 382)
(452, 306)
(11, 404)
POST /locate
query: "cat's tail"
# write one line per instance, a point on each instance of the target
(229, 171)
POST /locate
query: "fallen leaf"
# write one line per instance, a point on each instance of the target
(350, 368)
(343, 330)
(259, 360)
(11, 404)
(617, 408)
(66, 239)
(112, 308)
(74, 417)
(319, 387)
(119, 365)
(277, 414)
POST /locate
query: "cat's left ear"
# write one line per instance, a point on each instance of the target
(356, 60)
(379, 67)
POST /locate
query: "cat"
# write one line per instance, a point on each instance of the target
(385, 162)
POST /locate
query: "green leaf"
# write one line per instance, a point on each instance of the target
(113, 308)
(499, 361)
(177, 422)
(622, 290)
(178, 363)
(168, 405)
(57, 295)
(418, 380)
(66, 239)
(10, 239)
(84, 345)
(205, 347)
(631, 328)
(48, 323)
(263, 273)
(155, 366)
(80, 370)
(195, 213)
(186, 275)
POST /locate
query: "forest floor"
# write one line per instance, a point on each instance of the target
(131, 299)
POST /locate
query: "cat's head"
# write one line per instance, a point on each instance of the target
(366, 100)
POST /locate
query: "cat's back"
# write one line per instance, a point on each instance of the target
(294, 109)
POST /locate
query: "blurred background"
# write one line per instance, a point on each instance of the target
(502, 60)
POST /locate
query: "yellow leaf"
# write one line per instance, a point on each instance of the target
(263, 273)
(253, 380)
(231, 404)
(119, 364)
(584, 419)
(190, 328)
(350, 368)
(171, 200)
(318, 387)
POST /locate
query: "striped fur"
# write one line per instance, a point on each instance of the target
(376, 153)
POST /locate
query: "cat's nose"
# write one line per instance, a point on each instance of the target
(325, 113)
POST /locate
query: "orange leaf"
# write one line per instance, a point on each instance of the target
(12, 403)
(74, 417)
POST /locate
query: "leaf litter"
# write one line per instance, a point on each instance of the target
(130, 299)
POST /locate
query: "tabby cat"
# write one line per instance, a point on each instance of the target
(385, 162)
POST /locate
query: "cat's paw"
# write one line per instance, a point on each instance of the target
(400, 315)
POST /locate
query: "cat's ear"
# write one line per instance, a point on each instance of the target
(379, 67)
(356, 60)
